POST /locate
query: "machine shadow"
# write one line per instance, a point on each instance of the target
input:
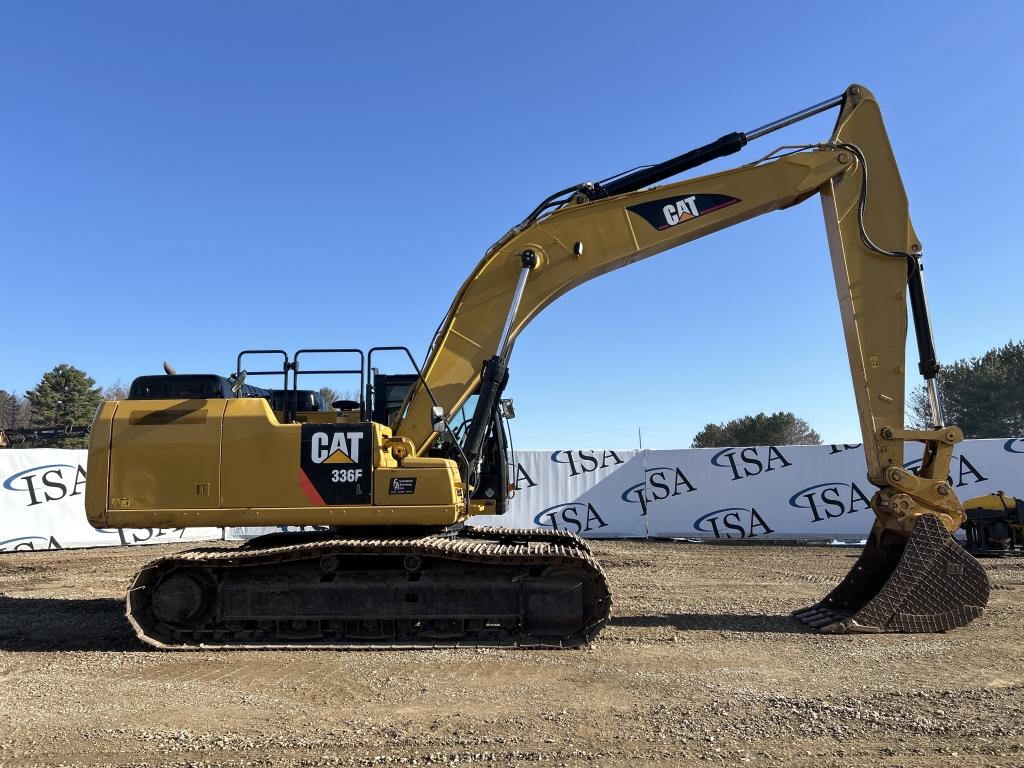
(36, 624)
(58, 624)
(702, 622)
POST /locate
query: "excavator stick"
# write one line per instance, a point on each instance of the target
(924, 583)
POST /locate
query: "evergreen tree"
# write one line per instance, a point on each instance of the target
(8, 409)
(984, 396)
(15, 411)
(782, 428)
(65, 396)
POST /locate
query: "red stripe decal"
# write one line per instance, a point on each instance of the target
(311, 492)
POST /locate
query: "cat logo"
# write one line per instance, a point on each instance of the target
(336, 448)
(681, 210)
(672, 211)
(335, 463)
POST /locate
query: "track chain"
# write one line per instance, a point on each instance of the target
(508, 535)
(487, 546)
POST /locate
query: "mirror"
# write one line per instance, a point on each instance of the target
(438, 423)
(237, 380)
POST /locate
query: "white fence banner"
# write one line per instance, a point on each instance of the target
(42, 506)
(802, 492)
(593, 493)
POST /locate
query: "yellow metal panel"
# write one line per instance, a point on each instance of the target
(260, 458)
(343, 516)
(166, 453)
(417, 485)
(871, 287)
(993, 502)
(99, 465)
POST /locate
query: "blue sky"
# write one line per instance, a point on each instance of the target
(184, 180)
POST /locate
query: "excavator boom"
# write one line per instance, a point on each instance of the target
(876, 260)
(582, 241)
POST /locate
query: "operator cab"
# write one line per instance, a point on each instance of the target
(186, 386)
(380, 401)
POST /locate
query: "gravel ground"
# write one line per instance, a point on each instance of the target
(701, 664)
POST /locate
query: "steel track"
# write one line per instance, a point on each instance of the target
(483, 587)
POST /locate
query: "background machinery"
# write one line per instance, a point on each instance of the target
(994, 525)
(394, 477)
(39, 437)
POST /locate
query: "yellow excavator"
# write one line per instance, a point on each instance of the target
(392, 477)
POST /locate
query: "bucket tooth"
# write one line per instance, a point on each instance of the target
(924, 583)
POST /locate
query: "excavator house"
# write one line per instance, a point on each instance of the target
(391, 479)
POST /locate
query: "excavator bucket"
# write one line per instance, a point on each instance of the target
(924, 583)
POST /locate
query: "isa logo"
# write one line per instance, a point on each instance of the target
(658, 483)
(733, 523)
(585, 462)
(47, 483)
(576, 516)
(29, 544)
(750, 462)
(830, 500)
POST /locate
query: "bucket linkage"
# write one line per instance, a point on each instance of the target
(924, 583)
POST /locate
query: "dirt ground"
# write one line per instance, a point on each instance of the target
(701, 664)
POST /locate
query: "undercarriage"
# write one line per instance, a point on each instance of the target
(478, 587)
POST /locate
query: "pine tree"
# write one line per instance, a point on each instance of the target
(8, 409)
(65, 396)
(984, 396)
(782, 428)
(15, 411)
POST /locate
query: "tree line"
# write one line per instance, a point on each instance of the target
(983, 395)
(64, 397)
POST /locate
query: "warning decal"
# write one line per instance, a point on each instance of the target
(402, 486)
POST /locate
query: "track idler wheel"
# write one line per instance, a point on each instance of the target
(924, 583)
(184, 598)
